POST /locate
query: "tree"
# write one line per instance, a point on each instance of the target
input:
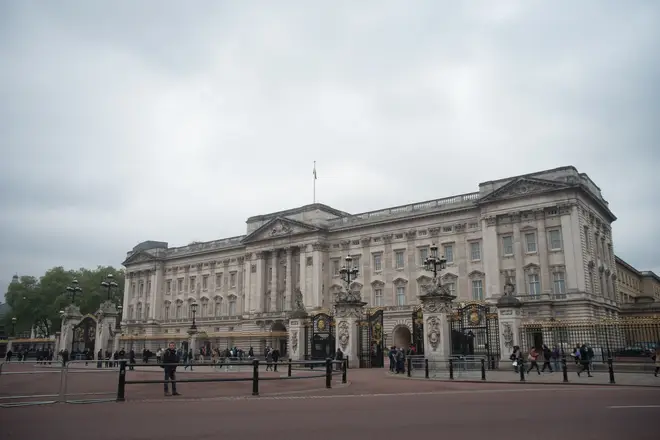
(37, 303)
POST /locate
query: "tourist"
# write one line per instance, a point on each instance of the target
(547, 357)
(585, 354)
(170, 361)
(533, 360)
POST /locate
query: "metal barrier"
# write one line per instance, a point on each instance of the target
(93, 389)
(21, 376)
(470, 367)
(327, 372)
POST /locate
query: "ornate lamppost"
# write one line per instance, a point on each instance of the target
(73, 290)
(349, 273)
(434, 263)
(193, 327)
(13, 326)
(109, 284)
(118, 323)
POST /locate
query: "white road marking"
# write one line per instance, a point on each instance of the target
(632, 406)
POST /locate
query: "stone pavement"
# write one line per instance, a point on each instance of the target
(375, 405)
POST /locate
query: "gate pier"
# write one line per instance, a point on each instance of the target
(510, 317)
(436, 312)
(348, 314)
(298, 325)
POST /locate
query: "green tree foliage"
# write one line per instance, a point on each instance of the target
(37, 302)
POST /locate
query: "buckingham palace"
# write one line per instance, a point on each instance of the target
(547, 233)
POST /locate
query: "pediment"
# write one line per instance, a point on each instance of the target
(523, 187)
(424, 279)
(279, 227)
(140, 257)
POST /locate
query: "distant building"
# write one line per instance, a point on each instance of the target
(639, 291)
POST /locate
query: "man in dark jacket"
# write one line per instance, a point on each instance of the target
(170, 359)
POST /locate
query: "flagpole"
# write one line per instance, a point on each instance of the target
(314, 194)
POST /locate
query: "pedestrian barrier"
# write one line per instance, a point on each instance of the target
(325, 370)
(89, 382)
(31, 382)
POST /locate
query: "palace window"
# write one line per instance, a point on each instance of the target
(399, 261)
(401, 296)
(205, 309)
(335, 267)
(534, 284)
(507, 245)
(378, 262)
(168, 287)
(356, 261)
(205, 282)
(555, 240)
(166, 312)
(138, 314)
(192, 284)
(451, 288)
(477, 290)
(140, 290)
(179, 285)
(559, 284)
(218, 308)
(218, 280)
(423, 255)
(378, 297)
(475, 251)
(232, 306)
(232, 280)
(133, 290)
(148, 288)
(530, 240)
(130, 312)
(177, 312)
(449, 253)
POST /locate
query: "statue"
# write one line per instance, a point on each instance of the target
(298, 301)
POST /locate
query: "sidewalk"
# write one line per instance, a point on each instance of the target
(598, 378)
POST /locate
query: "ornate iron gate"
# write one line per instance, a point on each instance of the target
(84, 336)
(322, 340)
(371, 340)
(475, 332)
(418, 330)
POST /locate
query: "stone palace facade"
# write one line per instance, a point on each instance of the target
(548, 233)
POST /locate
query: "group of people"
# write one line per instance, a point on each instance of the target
(397, 358)
(582, 355)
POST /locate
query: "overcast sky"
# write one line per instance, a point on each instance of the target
(127, 121)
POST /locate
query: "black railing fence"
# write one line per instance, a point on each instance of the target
(327, 368)
(617, 339)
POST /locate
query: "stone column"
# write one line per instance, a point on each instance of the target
(70, 319)
(273, 281)
(288, 288)
(510, 317)
(303, 276)
(436, 309)
(348, 314)
(127, 294)
(317, 269)
(107, 319)
(258, 303)
(387, 266)
(519, 250)
(543, 251)
(490, 248)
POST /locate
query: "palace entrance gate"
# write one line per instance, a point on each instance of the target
(371, 340)
(475, 332)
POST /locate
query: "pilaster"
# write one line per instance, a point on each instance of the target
(273, 281)
(317, 274)
(518, 251)
(388, 271)
(543, 250)
(288, 290)
(258, 304)
(303, 276)
(491, 258)
(572, 247)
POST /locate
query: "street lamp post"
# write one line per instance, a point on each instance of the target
(193, 308)
(435, 263)
(13, 326)
(118, 323)
(109, 284)
(73, 290)
(348, 272)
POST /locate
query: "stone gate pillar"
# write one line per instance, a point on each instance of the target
(349, 310)
(105, 324)
(436, 309)
(509, 315)
(71, 317)
(296, 342)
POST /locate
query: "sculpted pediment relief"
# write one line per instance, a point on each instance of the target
(279, 227)
(140, 257)
(523, 187)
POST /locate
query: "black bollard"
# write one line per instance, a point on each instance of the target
(451, 368)
(521, 367)
(610, 367)
(483, 369)
(328, 373)
(409, 364)
(344, 367)
(564, 369)
(426, 368)
(289, 371)
(121, 385)
(255, 377)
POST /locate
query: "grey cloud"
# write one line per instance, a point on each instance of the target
(149, 120)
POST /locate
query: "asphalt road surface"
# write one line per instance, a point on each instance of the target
(372, 406)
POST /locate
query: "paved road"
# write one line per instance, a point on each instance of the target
(372, 406)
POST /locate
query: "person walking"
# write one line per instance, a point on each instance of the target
(170, 361)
